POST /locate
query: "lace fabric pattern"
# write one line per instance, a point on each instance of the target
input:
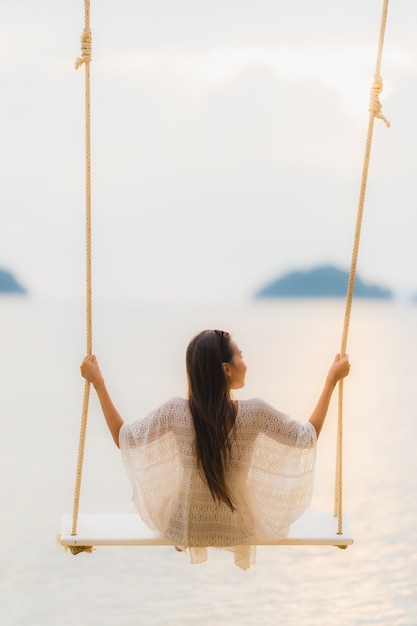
(270, 475)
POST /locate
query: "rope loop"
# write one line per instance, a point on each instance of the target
(375, 105)
(86, 48)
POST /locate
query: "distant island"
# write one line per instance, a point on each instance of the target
(321, 282)
(9, 284)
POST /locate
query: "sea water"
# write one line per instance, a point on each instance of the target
(288, 346)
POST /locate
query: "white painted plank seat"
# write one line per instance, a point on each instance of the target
(127, 529)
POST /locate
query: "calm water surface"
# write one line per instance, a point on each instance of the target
(288, 347)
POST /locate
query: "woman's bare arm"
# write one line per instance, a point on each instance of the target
(339, 369)
(90, 371)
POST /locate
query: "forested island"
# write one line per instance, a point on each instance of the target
(9, 284)
(321, 282)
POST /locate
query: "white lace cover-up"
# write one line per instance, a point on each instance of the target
(270, 477)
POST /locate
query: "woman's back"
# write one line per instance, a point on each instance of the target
(270, 473)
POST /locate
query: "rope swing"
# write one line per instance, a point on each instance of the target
(128, 529)
(85, 59)
(375, 110)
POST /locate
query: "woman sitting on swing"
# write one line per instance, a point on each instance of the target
(213, 471)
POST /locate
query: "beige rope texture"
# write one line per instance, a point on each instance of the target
(85, 59)
(375, 110)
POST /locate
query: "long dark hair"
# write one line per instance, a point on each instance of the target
(211, 407)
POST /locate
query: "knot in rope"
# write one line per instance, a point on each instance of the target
(375, 106)
(86, 48)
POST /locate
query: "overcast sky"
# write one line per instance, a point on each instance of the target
(228, 141)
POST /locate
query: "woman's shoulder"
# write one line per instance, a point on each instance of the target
(163, 418)
(176, 402)
(256, 404)
(257, 408)
(171, 407)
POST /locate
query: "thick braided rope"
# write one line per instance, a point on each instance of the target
(86, 47)
(375, 109)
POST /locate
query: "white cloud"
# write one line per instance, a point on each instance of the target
(347, 70)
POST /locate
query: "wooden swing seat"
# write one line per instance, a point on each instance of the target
(127, 529)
